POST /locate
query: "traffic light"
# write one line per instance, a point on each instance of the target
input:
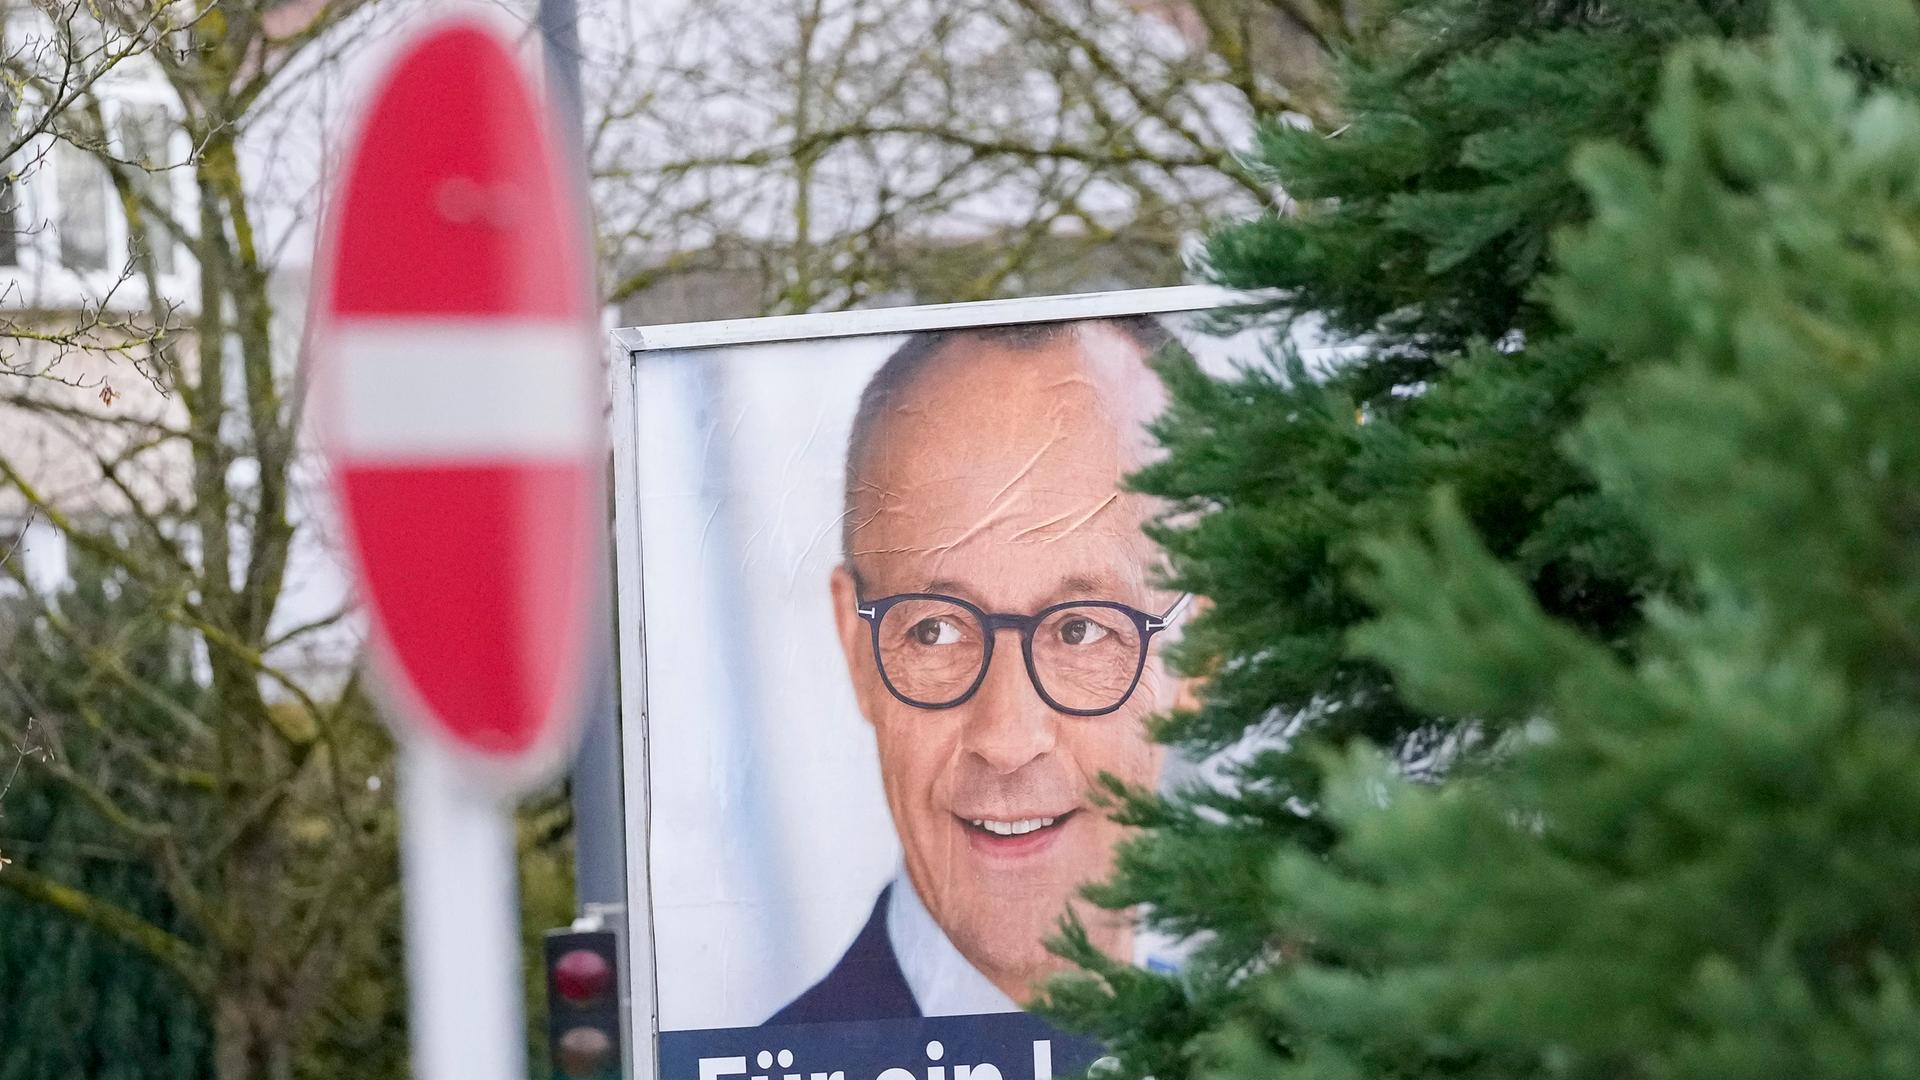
(583, 1005)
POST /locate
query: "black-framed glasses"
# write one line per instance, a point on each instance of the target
(1084, 657)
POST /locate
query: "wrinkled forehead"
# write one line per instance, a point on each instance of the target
(999, 469)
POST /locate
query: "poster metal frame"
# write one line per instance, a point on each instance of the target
(628, 345)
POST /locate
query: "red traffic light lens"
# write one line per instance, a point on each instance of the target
(582, 975)
(584, 1052)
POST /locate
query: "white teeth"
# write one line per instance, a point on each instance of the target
(1013, 828)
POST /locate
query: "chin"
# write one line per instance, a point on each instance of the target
(1004, 956)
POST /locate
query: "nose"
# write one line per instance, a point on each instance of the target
(1007, 724)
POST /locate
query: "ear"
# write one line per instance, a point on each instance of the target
(1187, 694)
(856, 638)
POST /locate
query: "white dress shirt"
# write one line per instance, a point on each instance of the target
(945, 983)
(942, 981)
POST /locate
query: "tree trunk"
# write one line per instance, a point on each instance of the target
(247, 1044)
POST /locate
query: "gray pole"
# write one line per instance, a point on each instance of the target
(560, 42)
(599, 840)
(599, 835)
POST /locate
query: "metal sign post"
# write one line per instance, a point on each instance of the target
(462, 925)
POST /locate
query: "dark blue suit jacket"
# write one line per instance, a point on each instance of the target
(865, 985)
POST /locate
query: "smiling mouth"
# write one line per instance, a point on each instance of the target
(1007, 830)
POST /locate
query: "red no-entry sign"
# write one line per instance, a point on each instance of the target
(457, 396)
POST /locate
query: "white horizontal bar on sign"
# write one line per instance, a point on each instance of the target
(473, 388)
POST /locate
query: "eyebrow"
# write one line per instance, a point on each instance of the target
(1074, 586)
(1079, 583)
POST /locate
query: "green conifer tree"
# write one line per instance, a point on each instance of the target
(1421, 237)
(74, 1001)
(1701, 859)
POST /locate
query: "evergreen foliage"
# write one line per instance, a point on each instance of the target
(76, 1001)
(1422, 239)
(1703, 861)
(73, 1000)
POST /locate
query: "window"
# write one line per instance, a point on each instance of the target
(9, 187)
(144, 132)
(9, 217)
(82, 186)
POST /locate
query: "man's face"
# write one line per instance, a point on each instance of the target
(995, 480)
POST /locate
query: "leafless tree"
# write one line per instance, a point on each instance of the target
(820, 154)
(159, 438)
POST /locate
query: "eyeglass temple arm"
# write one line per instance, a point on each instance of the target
(1174, 612)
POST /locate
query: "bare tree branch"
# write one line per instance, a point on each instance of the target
(167, 949)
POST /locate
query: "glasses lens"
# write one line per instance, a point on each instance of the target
(1087, 657)
(931, 650)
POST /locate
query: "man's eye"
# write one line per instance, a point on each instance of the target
(1081, 631)
(935, 632)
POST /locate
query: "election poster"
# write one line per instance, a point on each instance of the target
(897, 615)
